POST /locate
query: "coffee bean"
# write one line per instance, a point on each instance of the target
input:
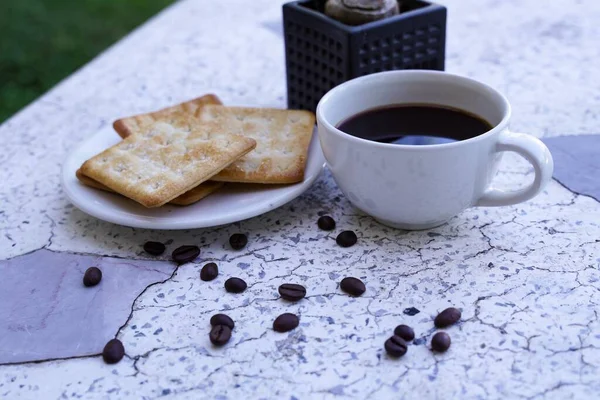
(440, 342)
(346, 239)
(395, 346)
(219, 335)
(448, 317)
(405, 332)
(92, 276)
(209, 272)
(292, 291)
(113, 351)
(238, 241)
(286, 322)
(235, 285)
(222, 319)
(352, 286)
(411, 311)
(184, 254)
(154, 248)
(326, 223)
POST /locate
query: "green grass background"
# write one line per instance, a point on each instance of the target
(43, 41)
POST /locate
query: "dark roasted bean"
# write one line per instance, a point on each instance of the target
(346, 239)
(209, 272)
(219, 335)
(448, 317)
(326, 223)
(286, 322)
(113, 351)
(395, 346)
(440, 342)
(238, 241)
(222, 319)
(292, 291)
(184, 254)
(235, 285)
(92, 276)
(352, 286)
(154, 248)
(405, 332)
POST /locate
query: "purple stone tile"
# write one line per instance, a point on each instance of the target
(46, 312)
(576, 163)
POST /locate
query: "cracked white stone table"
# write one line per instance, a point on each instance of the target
(526, 277)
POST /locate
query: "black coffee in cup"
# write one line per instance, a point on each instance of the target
(415, 124)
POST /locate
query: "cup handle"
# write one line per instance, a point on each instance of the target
(534, 151)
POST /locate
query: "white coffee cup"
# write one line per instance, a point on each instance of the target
(421, 187)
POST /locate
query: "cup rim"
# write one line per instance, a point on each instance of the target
(321, 120)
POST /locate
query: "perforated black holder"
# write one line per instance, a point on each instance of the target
(321, 52)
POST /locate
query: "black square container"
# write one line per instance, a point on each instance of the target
(321, 52)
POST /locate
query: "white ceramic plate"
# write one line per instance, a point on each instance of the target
(232, 203)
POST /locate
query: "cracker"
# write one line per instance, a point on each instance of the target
(282, 138)
(196, 194)
(91, 182)
(181, 115)
(164, 162)
(190, 197)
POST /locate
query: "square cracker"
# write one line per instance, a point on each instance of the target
(190, 197)
(282, 138)
(164, 162)
(182, 115)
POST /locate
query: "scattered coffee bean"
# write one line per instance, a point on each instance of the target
(352, 286)
(92, 276)
(405, 332)
(184, 254)
(235, 285)
(286, 322)
(440, 342)
(154, 248)
(238, 241)
(113, 351)
(411, 311)
(346, 239)
(448, 317)
(292, 291)
(395, 346)
(222, 319)
(209, 272)
(219, 335)
(326, 223)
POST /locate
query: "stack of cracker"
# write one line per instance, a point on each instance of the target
(181, 154)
